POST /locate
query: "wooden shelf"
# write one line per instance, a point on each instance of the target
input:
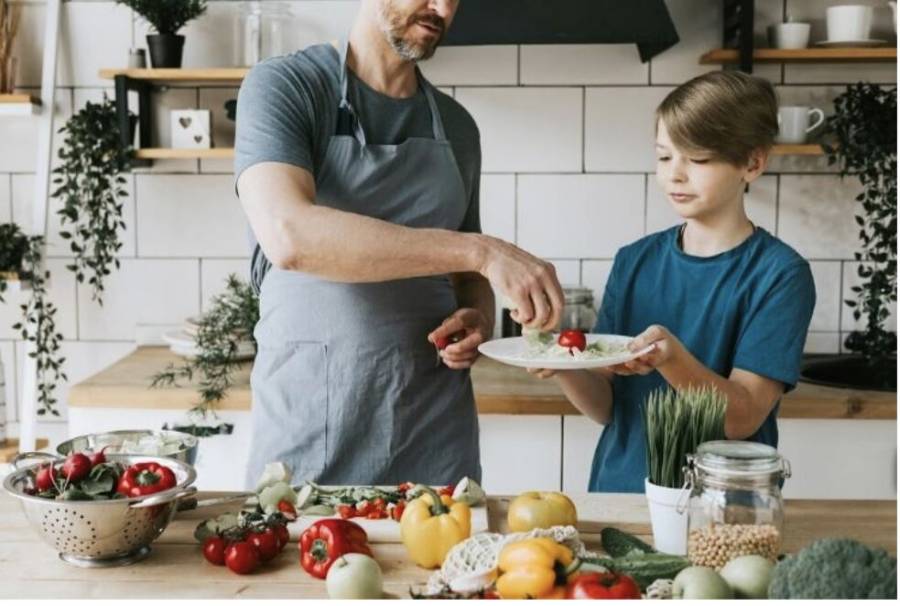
(162, 153)
(19, 105)
(211, 75)
(810, 149)
(884, 54)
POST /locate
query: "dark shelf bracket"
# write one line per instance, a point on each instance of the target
(737, 30)
(145, 114)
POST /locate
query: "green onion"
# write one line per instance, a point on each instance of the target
(675, 424)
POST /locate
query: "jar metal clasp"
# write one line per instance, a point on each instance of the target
(688, 488)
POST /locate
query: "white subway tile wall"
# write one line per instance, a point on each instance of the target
(567, 140)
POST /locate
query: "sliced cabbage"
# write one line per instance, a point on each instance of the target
(273, 474)
(271, 496)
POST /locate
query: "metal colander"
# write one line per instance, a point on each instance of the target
(112, 532)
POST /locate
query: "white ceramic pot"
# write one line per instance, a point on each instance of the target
(670, 528)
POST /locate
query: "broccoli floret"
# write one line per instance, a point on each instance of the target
(836, 568)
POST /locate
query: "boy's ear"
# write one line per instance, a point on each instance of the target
(756, 165)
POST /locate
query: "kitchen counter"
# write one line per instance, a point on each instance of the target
(176, 568)
(499, 389)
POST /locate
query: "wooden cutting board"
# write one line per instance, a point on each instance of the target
(384, 531)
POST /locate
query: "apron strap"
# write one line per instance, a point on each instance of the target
(348, 119)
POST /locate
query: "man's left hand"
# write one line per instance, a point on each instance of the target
(665, 348)
(471, 326)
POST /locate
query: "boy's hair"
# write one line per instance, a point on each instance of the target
(727, 113)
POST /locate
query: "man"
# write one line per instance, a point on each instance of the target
(360, 183)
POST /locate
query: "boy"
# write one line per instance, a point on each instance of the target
(721, 301)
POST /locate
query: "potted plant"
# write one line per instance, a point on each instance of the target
(862, 141)
(229, 322)
(21, 260)
(90, 184)
(167, 17)
(675, 424)
(13, 245)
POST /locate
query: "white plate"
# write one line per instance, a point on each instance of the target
(514, 350)
(851, 43)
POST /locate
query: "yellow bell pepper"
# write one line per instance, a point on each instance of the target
(532, 510)
(533, 569)
(431, 525)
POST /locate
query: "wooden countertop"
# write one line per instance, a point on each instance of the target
(176, 568)
(499, 389)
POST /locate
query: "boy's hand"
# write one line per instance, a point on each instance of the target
(542, 373)
(666, 347)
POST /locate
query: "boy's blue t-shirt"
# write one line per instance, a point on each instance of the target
(746, 308)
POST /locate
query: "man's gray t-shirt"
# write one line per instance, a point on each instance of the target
(288, 109)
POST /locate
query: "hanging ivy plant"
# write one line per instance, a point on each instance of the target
(91, 187)
(863, 143)
(230, 320)
(38, 327)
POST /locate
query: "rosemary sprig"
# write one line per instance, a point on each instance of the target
(675, 424)
(230, 320)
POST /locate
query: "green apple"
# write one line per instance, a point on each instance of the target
(700, 583)
(354, 576)
(749, 576)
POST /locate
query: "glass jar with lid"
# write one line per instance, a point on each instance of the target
(262, 30)
(735, 506)
(578, 313)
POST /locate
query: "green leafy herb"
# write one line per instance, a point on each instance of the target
(675, 423)
(166, 16)
(231, 319)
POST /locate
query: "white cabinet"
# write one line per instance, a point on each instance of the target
(580, 436)
(839, 459)
(520, 452)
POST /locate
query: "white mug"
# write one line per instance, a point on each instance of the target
(793, 123)
(848, 23)
(789, 35)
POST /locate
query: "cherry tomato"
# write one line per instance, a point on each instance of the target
(364, 508)
(572, 339)
(214, 550)
(443, 342)
(397, 511)
(241, 557)
(447, 490)
(379, 504)
(76, 467)
(284, 537)
(404, 487)
(286, 508)
(266, 544)
(346, 511)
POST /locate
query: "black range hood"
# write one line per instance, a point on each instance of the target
(643, 22)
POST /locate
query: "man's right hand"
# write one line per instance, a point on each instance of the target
(528, 282)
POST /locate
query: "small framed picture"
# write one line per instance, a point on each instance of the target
(190, 128)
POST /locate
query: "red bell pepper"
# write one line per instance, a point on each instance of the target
(327, 540)
(603, 586)
(142, 479)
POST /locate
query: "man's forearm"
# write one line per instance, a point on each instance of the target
(741, 415)
(348, 247)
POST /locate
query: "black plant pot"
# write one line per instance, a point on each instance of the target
(850, 372)
(165, 49)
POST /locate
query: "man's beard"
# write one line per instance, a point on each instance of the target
(394, 25)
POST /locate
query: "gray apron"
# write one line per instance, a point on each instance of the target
(346, 389)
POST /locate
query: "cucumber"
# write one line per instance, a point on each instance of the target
(645, 568)
(619, 544)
